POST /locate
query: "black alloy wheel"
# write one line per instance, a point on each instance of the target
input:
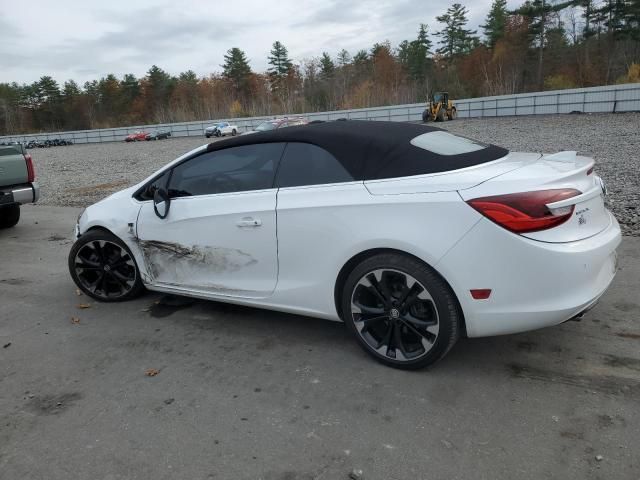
(401, 312)
(104, 268)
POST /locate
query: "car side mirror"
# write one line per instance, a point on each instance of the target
(161, 203)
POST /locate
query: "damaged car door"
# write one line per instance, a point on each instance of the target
(218, 236)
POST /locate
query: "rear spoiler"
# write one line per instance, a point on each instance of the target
(568, 156)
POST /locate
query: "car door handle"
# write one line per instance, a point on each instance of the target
(249, 222)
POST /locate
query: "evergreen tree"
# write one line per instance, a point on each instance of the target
(538, 13)
(130, 87)
(70, 89)
(280, 66)
(414, 55)
(236, 68)
(495, 23)
(327, 67)
(361, 57)
(279, 60)
(344, 58)
(455, 38)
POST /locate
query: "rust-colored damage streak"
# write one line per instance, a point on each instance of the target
(183, 264)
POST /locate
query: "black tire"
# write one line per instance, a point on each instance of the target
(9, 215)
(233, 132)
(104, 268)
(426, 116)
(440, 116)
(208, 136)
(415, 327)
(218, 133)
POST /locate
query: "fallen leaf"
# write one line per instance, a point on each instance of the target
(151, 372)
(82, 306)
(6, 345)
(75, 320)
(78, 292)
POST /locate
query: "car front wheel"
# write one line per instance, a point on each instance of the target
(400, 311)
(103, 267)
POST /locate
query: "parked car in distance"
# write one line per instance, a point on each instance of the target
(277, 123)
(17, 183)
(411, 235)
(136, 136)
(158, 135)
(221, 129)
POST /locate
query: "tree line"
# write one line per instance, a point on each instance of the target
(543, 44)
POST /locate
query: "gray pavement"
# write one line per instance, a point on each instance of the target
(249, 394)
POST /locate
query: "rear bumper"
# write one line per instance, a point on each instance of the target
(26, 193)
(534, 284)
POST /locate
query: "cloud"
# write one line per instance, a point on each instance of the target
(83, 41)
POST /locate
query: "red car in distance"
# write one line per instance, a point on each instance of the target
(136, 137)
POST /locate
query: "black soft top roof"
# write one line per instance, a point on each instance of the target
(371, 149)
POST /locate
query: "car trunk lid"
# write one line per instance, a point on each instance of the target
(563, 170)
(452, 180)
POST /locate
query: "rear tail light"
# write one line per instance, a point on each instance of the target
(31, 171)
(527, 211)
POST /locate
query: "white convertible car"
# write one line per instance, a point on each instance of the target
(409, 234)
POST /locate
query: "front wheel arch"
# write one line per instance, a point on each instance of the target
(360, 257)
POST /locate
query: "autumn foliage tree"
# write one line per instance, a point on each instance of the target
(541, 44)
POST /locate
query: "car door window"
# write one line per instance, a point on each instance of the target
(307, 164)
(236, 169)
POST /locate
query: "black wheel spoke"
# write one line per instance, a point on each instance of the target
(98, 250)
(417, 322)
(410, 296)
(376, 289)
(371, 320)
(367, 310)
(387, 338)
(97, 282)
(119, 279)
(84, 266)
(430, 337)
(87, 262)
(120, 263)
(398, 342)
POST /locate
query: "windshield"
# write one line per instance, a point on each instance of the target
(266, 126)
(445, 143)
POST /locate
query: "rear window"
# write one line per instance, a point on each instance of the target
(445, 143)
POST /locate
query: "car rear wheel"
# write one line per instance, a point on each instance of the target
(9, 215)
(103, 267)
(401, 311)
(233, 132)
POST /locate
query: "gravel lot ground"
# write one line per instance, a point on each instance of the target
(82, 174)
(246, 394)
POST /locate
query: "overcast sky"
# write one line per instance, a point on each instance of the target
(85, 40)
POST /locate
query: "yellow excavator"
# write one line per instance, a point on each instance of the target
(439, 109)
